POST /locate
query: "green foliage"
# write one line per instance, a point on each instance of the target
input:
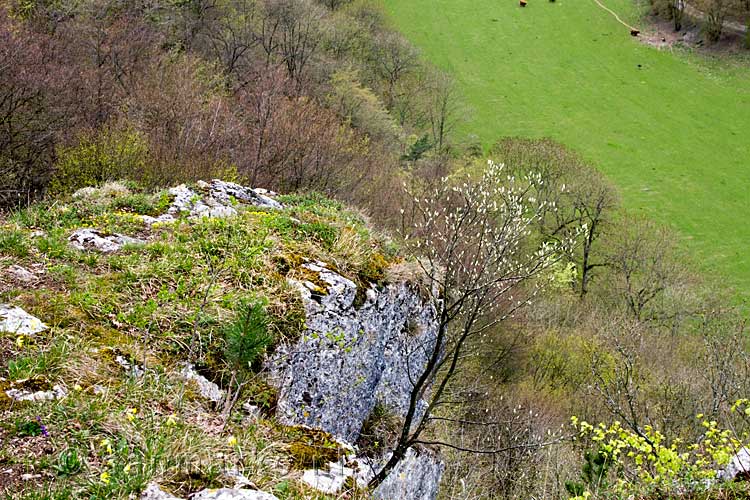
(106, 156)
(562, 362)
(648, 464)
(13, 243)
(68, 463)
(21, 368)
(142, 204)
(54, 245)
(247, 338)
(319, 231)
(418, 149)
(28, 428)
(593, 474)
(362, 107)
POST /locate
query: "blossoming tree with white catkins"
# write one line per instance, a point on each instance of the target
(482, 261)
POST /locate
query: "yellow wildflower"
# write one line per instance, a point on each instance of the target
(106, 444)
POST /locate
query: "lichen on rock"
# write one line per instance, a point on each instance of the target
(92, 239)
(17, 321)
(350, 359)
(216, 199)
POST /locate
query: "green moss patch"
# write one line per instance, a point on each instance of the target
(311, 447)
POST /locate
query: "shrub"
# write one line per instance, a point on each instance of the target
(247, 338)
(104, 156)
(646, 464)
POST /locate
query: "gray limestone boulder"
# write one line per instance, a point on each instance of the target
(17, 321)
(33, 389)
(214, 199)
(21, 274)
(416, 477)
(351, 358)
(207, 389)
(225, 192)
(154, 492)
(92, 239)
(230, 494)
(738, 467)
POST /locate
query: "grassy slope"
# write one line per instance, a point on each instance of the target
(671, 134)
(143, 304)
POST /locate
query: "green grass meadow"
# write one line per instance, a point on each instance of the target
(669, 128)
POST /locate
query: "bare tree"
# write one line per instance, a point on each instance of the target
(725, 359)
(578, 197)
(442, 106)
(715, 13)
(673, 10)
(642, 255)
(291, 29)
(232, 40)
(391, 60)
(618, 379)
(27, 121)
(334, 4)
(474, 243)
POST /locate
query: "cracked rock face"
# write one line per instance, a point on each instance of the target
(92, 239)
(17, 321)
(350, 359)
(416, 477)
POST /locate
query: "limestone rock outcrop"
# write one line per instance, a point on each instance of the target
(214, 199)
(92, 239)
(351, 358)
(154, 492)
(738, 467)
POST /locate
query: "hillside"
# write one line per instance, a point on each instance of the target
(666, 126)
(200, 337)
(261, 250)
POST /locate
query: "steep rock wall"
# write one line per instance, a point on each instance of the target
(351, 358)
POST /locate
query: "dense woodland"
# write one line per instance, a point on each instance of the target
(285, 94)
(296, 95)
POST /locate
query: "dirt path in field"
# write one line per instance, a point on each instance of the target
(634, 31)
